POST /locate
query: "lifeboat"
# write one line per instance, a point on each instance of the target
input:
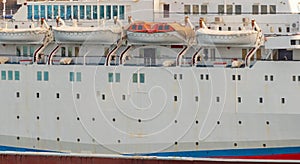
(28, 35)
(98, 35)
(159, 33)
(206, 36)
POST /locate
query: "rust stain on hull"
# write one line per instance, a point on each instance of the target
(69, 159)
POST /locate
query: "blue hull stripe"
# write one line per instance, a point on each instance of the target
(200, 153)
(230, 152)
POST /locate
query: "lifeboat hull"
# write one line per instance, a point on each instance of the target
(242, 38)
(154, 38)
(17, 36)
(86, 36)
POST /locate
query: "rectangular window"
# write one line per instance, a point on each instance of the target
(195, 9)
(220, 9)
(46, 75)
(75, 12)
(78, 76)
(266, 77)
(118, 77)
(17, 94)
(180, 76)
(78, 96)
(25, 51)
(203, 9)
(264, 9)
(229, 9)
(63, 51)
(70, 51)
(43, 11)
(95, 12)
(271, 78)
(298, 78)
(69, 12)
(88, 12)
(71, 76)
(101, 12)
(282, 100)
(218, 99)
(187, 9)
(29, 12)
(254, 9)
(49, 11)
(207, 77)
(10, 75)
(122, 12)
(115, 11)
(201, 76)
(261, 100)
(55, 8)
(36, 12)
(123, 97)
(233, 77)
(76, 51)
(134, 78)
(142, 78)
(31, 50)
(110, 77)
(239, 77)
(166, 10)
(108, 12)
(81, 11)
(272, 9)
(238, 9)
(196, 98)
(175, 76)
(62, 12)
(17, 75)
(18, 51)
(3, 75)
(57, 95)
(293, 42)
(239, 99)
(39, 75)
(103, 96)
(175, 98)
(294, 78)
(37, 95)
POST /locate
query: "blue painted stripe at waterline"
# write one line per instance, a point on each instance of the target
(229, 152)
(195, 154)
(21, 149)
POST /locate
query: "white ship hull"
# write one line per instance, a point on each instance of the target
(73, 116)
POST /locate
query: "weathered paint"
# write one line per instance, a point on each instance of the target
(52, 158)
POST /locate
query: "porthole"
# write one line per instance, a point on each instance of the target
(78, 139)
(114, 120)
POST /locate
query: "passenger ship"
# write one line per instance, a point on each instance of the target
(198, 79)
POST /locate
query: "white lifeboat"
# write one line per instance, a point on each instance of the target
(28, 35)
(97, 35)
(207, 36)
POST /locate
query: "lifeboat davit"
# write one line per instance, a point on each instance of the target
(102, 34)
(159, 33)
(243, 37)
